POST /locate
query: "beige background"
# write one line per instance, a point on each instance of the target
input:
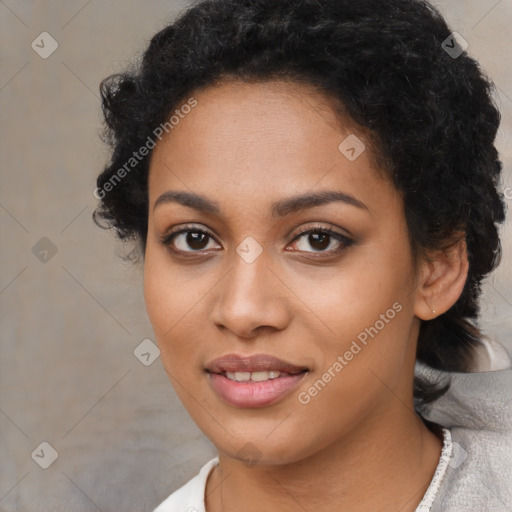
(68, 373)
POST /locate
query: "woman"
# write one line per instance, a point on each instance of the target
(313, 186)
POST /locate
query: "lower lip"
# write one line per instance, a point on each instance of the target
(254, 394)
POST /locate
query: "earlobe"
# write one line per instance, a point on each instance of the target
(442, 277)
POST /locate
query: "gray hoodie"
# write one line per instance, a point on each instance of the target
(477, 410)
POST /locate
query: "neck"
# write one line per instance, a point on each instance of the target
(386, 464)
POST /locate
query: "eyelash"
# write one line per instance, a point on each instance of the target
(344, 241)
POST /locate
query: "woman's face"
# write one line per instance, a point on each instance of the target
(244, 279)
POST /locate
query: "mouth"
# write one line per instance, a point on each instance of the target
(259, 376)
(253, 381)
(260, 366)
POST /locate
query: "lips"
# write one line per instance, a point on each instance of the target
(253, 363)
(253, 381)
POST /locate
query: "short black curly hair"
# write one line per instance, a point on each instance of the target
(389, 67)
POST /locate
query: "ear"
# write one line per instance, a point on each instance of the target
(442, 276)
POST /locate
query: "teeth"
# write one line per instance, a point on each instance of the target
(241, 376)
(254, 376)
(261, 376)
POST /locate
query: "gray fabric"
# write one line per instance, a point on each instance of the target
(477, 410)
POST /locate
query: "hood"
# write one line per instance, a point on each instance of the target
(475, 401)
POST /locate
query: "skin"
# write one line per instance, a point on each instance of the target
(357, 445)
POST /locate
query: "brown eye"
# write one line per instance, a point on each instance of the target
(196, 240)
(189, 240)
(321, 240)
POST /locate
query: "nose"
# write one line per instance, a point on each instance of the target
(251, 299)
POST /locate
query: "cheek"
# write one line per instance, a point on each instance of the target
(355, 294)
(366, 312)
(168, 291)
(175, 302)
(166, 302)
(157, 300)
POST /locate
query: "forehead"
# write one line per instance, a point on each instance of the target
(261, 138)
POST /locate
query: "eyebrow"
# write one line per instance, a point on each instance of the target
(278, 209)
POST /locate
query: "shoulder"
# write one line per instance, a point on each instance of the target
(190, 496)
(479, 473)
(477, 410)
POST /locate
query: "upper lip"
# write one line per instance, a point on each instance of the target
(252, 363)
